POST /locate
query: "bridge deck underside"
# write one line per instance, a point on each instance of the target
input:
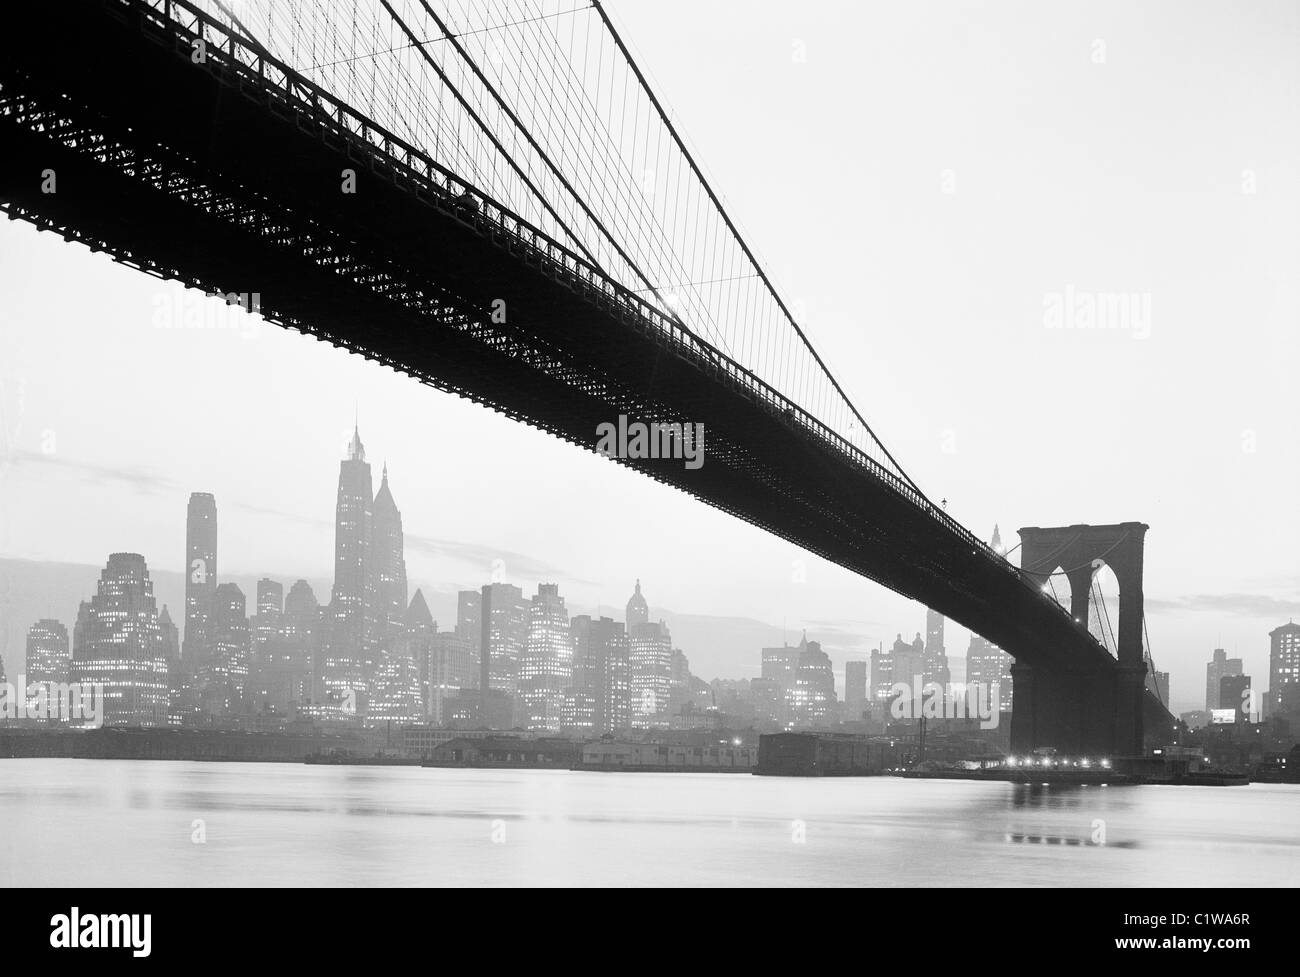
(196, 173)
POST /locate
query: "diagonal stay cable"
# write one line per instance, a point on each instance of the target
(460, 49)
(681, 145)
(492, 136)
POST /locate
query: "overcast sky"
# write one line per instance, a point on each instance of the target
(923, 179)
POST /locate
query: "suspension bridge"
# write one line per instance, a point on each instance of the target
(489, 197)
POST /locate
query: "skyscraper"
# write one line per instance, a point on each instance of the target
(650, 653)
(1219, 667)
(118, 643)
(284, 656)
(344, 671)
(1283, 668)
(987, 664)
(48, 652)
(546, 665)
(503, 632)
(1161, 680)
(453, 669)
(882, 680)
(270, 610)
(601, 676)
(200, 575)
(638, 611)
(779, 666)
(855, 690)
(402, 680)
(811, 702)
(224, 679)
(934, 664)
(387, 572)
(301, 631)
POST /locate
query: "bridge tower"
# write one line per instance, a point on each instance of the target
(1085, 708)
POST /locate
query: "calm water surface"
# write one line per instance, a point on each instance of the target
(120, 822)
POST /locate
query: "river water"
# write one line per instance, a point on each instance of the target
(134, 823)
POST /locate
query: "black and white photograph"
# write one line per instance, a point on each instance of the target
(649, 444)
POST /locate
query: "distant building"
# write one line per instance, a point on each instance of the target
(402, 688)
(934, 660)
(453, 674)
(1284, 668)
(270, 610)
(650, 655)
(503, 634)
(171, 638)
(200, 576)
(345, 665)
(855, 690)
(909, 659)
(1220, 667)
(546, 665)
(987, 664)
(638, 611)
(117, 642)
(469, 621)
(1234, 693)
(1161, 680)
(48, 652)
(386, 570)
(224, 679)
(779, 667)
(812, 702)
(882, 680)
(602, 676)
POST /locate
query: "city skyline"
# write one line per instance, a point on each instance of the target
(368, 615)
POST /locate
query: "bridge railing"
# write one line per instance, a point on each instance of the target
(260, 75)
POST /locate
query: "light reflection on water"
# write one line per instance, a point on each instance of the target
(121, 822)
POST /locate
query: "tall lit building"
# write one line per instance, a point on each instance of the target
(987, 664)
(402, 680)
(882, 680)
(602, 682)
(1219, 667)
(200, 576)
(811, 702)
(344, 669)
(503, 633)
(270, 611)
(855, 690)
(1284, 668)
(284, 659)
(779, 665)
(224, 679)
(119, 644)
(387, 571)
(48, 652)
(452, 670)
(650, 654)
(934, 661)
(546, 665)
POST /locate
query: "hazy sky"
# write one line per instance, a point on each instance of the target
(921, 179)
